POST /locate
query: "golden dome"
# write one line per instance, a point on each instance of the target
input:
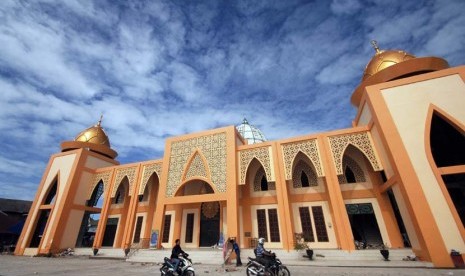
(94, 134)
(384, 59)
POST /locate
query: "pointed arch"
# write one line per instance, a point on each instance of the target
(262, 154)
(360, 140)
(197, 166)
(195, 186)
(96, 194)
(101, 176)
(122, 186)
(352, 171)
(303, 171)
(130, 174)
(148, 172)
(450, 174)
(256, 175)
(446, 139)
(52, 192)
(45, 211)
(307, 147)
(151, 186)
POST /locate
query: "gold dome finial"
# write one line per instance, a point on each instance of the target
(375, 45)
(384, 59)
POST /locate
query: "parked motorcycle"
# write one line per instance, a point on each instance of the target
(184, 268)
(276, 268)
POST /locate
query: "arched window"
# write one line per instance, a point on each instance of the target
(353, 173)
(264, 184)
(51, 193)
(350, 176)
(304, 180)
(119, 197)
(447, 143)
(303, 174)
(145, 196)
(96, 194)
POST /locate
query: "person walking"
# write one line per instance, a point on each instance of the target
(237, 250)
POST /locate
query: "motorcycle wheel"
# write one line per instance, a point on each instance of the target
(164, 270)
(189, 273)
(283, 271)
(247, 271)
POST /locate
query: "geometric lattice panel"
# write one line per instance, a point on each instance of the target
(104, 176)
(309, 148)
(261, 154)
(360, 140)
(196, 168)
(148, 171)
(353, 165)
(130, 172)
(213, 148)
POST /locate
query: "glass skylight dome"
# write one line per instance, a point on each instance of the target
(250, 133)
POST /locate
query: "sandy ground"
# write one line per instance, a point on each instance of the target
(11, 265)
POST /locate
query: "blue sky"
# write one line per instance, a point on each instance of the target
(161, 68)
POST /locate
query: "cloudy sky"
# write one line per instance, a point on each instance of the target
(161, 68)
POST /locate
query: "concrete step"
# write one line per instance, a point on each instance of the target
(321, 257)
(106, 253)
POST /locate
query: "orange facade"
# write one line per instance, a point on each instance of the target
(385, 181)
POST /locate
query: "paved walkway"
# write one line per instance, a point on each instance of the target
(79, 265)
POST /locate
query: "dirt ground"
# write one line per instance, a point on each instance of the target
(70, 266)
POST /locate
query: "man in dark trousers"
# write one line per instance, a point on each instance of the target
(237, 250)
(175, 255)
(263, 256)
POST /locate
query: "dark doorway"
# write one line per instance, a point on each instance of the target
(139, 221)
(40, 227)
(110, 232)
(209, 224)
(399, 220)
(364, 225)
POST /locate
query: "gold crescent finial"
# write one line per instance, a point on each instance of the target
(100, 121)
(375, 45)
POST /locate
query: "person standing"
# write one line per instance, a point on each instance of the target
(237, 250)
(175, 255)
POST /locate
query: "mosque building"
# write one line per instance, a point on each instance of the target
(395, 178)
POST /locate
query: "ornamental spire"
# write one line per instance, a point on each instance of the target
(375, 46)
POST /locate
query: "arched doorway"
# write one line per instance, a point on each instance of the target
(362, 217)
(119, 207)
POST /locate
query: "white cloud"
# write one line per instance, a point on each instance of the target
(159, 69)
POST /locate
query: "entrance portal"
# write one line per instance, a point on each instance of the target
(110, 232)
(209, 224)
(364, 225)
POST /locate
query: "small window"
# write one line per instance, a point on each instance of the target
(264, 184)
(50, 199)
(304, 180)
(350, 176)
(119, 198)
(189, 228)
(166, 229)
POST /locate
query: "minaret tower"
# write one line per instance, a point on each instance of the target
(60, 203)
